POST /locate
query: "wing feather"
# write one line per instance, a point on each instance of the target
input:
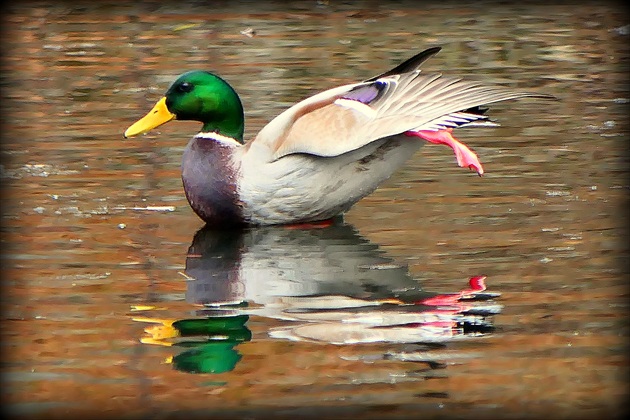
(346, 118)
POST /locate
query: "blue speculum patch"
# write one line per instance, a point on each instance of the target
(366, 93)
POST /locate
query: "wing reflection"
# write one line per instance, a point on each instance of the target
(333, 284)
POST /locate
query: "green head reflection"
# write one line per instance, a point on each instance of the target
(210, 342)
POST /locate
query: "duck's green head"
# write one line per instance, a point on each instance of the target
(198, 96)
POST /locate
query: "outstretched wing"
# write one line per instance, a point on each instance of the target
(349, 117)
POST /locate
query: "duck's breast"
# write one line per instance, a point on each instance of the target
(210, 180)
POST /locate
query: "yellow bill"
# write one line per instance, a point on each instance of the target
(155, 118)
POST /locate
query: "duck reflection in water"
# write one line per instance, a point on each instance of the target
(333, 284)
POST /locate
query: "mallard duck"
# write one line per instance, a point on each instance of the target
(322, 155)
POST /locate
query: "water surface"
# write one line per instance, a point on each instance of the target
(117, 302)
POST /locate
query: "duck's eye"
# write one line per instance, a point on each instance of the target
(185, 87)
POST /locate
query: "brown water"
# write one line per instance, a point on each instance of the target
(107, 312)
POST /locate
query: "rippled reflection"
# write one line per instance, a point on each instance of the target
(331, 284)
